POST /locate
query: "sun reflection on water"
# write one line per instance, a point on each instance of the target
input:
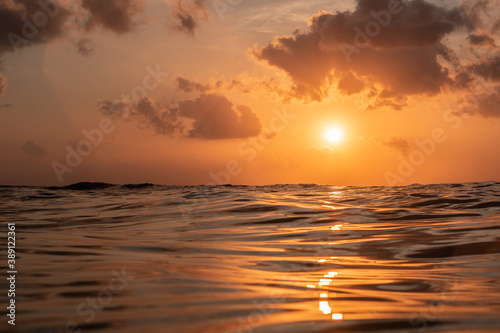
(324, 303)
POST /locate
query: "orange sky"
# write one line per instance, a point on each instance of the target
(244, 92)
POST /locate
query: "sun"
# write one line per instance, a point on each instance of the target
(334, 135)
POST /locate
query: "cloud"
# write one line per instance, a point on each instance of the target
(481, 39)
(17, 18)
(486, 105)
(187, 16)
(396, 143)
(3, 84)
(215, 118)
(114, 15)
(349, 84)
(483, 14)
(188, 86)
(402, 55)
(489, 106)
(34, 150)
(85, 47)
(388, 99)
(243, 83)
(145, 113)
(210, 116)
(488, 68)
(27, 22)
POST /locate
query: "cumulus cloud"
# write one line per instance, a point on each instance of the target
(3, 84)
(115, 15)
(187, 15)
(18, 18)
(210, 116)
(215, 118)
(34, 150)
(398, 50)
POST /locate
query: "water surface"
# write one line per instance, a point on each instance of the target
(282, 258)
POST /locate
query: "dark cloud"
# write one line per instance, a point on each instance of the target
(115, 15)
(215, 118)
(25, 22)
(85, 47)
(401, 52)
(146, 114)
(486, 105)
(6, 105)
(488, 68)
(481, 39)
(34, 150)
(187, 15)
(188, 86)
(489, 106)
(3, 84)
(463, 80)
(210, 116)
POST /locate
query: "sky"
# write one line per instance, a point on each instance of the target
(197, 92)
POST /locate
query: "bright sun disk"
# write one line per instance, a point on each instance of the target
(334, 135)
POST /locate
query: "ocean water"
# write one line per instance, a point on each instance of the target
(283, 258)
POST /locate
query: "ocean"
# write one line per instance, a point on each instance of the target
(94, 257)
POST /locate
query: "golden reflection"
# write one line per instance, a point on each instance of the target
(336, 195)
(325, 307)
(327, 280)
(337, 316)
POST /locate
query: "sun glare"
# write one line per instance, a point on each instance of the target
(334, 135)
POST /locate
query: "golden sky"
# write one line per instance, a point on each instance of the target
(192, 92)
